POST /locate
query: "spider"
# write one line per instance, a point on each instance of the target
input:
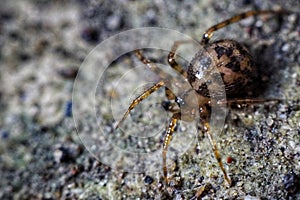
(233, 62)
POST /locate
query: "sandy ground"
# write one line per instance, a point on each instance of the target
(44, 155)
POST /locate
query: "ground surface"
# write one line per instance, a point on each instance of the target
(43, 44)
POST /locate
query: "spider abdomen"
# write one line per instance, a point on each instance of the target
(225, 58)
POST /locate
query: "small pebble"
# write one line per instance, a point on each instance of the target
(57, 154)
(66, 153)
(68, 109)
(285, 47)
(113, 22)
(148, 180)
(68, 73)
(4, 134)
(291, 182)
(270, 121)
(229, 159)
(90, 35)
(248, 197)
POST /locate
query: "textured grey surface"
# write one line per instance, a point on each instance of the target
(44, 43)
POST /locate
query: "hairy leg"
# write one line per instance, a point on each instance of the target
(139, 99)
(166, 142)
(171, 57)
(216, 152)
(209, 32)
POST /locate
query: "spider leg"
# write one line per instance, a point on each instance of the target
(171, 57)
(169, 105)
(169, 94)
(200, 191)
(140, 98)
(230, 102)
(166, 142)
(152, 66)
(209, 32)
(216, 152)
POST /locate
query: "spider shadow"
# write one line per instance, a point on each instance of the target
(272, 64)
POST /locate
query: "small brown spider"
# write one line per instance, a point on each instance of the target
(229, 58)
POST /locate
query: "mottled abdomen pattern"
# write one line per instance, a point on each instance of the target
(222, 62)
